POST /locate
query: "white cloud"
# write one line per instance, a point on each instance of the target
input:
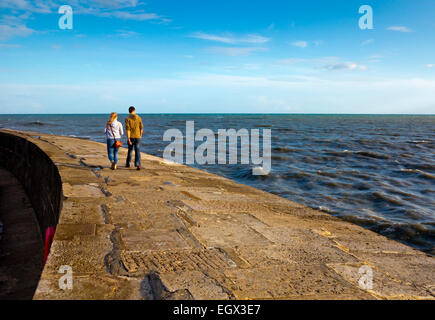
(251, 38)
(345, 66)
(127, 33)
(399, 29)
(9, 45)
(14, 25)
(326, 63)
(139, 16)
(36, 6)
(367, 42)
(235, 51)
(100, 8)
(251, 66)
(210, 37)
(376, 56)
(11, 26)
(300, 44)
(114, 4)
(229, 93)
(246, 66)
(47, 6)
(430, 65)
(291, 61)
(304, 44)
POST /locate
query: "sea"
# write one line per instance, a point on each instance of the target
(377, 171)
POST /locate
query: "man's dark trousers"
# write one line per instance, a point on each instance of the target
(135, 143)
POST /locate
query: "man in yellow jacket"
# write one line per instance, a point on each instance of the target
(134, 128)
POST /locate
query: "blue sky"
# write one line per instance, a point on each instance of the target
(192, 56)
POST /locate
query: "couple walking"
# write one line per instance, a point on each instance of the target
(114, 132)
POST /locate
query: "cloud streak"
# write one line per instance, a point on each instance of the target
(367, 42)
(119, 9)
(127, 33)
(235, 51)
(325, 63)
(229, 39)
(300, 44)
(36, 6)
(399, 29)
(405, 95)
(345, 66)
(9, 46)
(304, 44)
(11, 26)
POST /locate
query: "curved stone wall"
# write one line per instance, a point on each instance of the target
(37, 173)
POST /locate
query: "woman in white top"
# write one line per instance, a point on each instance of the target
(113, 132)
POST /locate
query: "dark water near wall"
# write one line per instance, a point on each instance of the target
(377, 171)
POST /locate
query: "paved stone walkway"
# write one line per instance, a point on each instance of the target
(171, 231)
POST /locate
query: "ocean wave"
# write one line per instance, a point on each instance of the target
(374, 155)
(279, 158)
(426, 166)
(419, 141)
(35, 123)
(328, 174)
(325, 209)
(344, 153)
(296, 175)
(284, 149)
(379, 196)
(421, 173)
(247, 174)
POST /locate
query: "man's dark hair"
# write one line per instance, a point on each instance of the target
(131, 109)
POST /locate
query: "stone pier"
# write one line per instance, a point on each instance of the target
(174, 232)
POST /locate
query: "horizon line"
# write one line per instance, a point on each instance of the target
(224, 113)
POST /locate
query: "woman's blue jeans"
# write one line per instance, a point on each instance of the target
(112, 152)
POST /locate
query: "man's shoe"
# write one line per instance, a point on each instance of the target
(127, 166)
(138, 168)
(113, 165)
